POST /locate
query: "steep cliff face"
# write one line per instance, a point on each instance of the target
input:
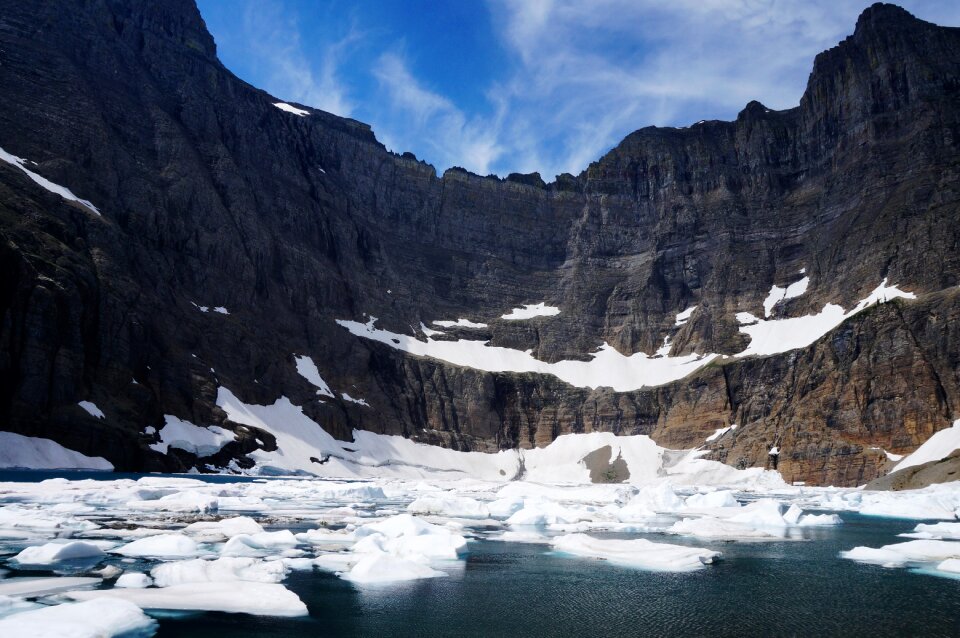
(210, 196)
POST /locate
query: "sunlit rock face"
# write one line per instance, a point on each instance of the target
(172, 234)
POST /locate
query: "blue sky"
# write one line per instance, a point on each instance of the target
(531, 85)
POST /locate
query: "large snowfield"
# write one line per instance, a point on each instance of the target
(109, 553)
(610, 368)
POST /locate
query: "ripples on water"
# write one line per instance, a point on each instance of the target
(510, 589)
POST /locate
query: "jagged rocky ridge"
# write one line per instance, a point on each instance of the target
(210, 196)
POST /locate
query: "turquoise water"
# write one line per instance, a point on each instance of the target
(788, 588)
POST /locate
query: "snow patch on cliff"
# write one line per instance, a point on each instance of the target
(289, 108)
(309, 371)
(684, 317)
(57, 189)
(183, 435)
(529, 311)
(774, 336)
(778, 294)
(625, 373)
(459, 323)
(350, 399)
(720, 432)
(608, 368)
(300, 440)
(91, 408)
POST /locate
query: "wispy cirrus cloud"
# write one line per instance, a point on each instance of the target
(591, 71)
(274, 37)
(576, 75)
(411, 110)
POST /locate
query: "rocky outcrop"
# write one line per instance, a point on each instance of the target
(945, 470)
(212, 197)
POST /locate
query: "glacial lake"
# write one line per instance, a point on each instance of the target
(797, 587)
(789, 588)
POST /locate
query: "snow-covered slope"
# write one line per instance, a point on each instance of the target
(18, 451)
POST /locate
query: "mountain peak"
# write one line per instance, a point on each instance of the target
(211, 198)
(883, 14)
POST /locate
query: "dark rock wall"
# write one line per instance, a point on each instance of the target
(211, 195)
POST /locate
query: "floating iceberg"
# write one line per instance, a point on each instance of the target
(221, 570)
(50, 553)
(100, 618)
(639, 553)
(240, 597)
(160, 546)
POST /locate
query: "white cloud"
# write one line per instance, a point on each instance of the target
(273, 33)
(616, 65)
(578, 76)
(413, 111)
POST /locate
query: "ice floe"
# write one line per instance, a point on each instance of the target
(384, 568)
(260, 544)
(936, 531)
(397, 548)
(723, 529)
(899, 554)
(819, 520)
(160, 546)
(213, 531)
(181, 501)
(100, 618)
(50, 553)
(261, 599)
(449, 505)
(222, 570)
(133, 580)
(930, 503)
(639, 553)
(33, 587)
(389, 528)
(405, 536)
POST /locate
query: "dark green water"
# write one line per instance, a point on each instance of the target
(510, 589)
